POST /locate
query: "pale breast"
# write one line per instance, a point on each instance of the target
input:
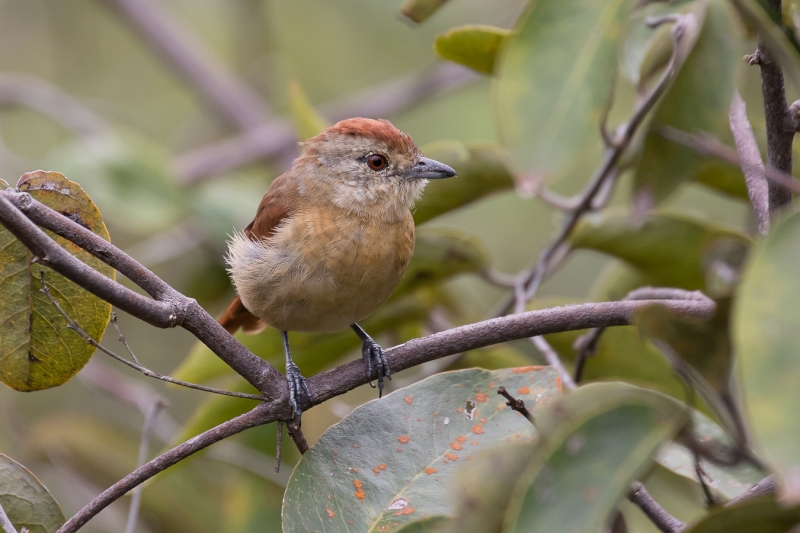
(323, 270)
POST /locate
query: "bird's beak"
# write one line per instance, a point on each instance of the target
(428, 169)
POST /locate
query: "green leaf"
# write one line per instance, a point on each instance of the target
(698, 99)
(37, 351)
(307, 121)
(596, 440)
(757, 516)
(723, 177)
(780, 45)
(418, 10)
(440, 254)
(767, 343)
(25, 500)
(646, 50)
(671, 250)
(553, 81)
(390, 460)
(726, 481)
(474, 45)
(433, 524)
(481, 172)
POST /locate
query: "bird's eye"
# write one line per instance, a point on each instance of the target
(376, 162)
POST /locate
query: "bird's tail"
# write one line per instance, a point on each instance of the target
(237, 316)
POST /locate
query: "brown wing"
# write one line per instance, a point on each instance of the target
(277, 205)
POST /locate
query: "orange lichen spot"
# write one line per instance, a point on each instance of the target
(399, 449)
(403, 439)
(459, 410)
(355, 445)
(451, 456)
(480, 397)
(523, 390)
(430, 470)
(483, 420)
(376, 470)
(474, 443)
(408, 399)
(525, 369)
(335, 452)
(350, 522)
(355, 469)
(456, 446)
(501, 406)
(331, 514)
(382, 466)
(335, 461)
(435, 414)
(406, 510)
(359, 489)
(477, 429)
(329, 496)
(445, 461)
(461, 439)
(491, 384)
(419, 420)
(559, 385)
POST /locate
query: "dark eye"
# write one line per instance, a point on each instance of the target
(376, 162)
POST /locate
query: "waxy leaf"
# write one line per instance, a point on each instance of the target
(595, 441)
(37, 351)
(763, 515)
(389, 462)
(419, 10)
(475, 46)
(433, 524)
(553, 81)
(767, 342)
(25, 500)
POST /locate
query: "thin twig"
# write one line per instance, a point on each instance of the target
(297, 436)
(753, 166)
(121, 338)
(279, 447)
(516, 404)
(5, 522)
(552, 358)
(230, 95)
(664, 521)
(74, 326)
(144, 445)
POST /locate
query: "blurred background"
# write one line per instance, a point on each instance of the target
(176, 148)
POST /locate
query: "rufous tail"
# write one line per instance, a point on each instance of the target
(237, 316)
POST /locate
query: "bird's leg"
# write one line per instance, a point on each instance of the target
(297, 383)
(372, 352)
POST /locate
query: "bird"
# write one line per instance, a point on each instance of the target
(331, 240)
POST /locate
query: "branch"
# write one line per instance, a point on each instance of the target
(144, 444)
(781, 124)
(169, 308)
(516, 404)
(232, 97)
(278, 136)
(661, 518)
(260, 415)
(752, 165)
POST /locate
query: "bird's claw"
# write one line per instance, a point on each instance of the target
(297, 385)
(372, 352)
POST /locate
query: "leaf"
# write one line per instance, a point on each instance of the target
(25, 500)
(767, 343)
(475, 45)
(439, 254)
(723, 177)
(388, 462)
(37, 351)
(670, 249)
(698, 99)
(553, 81)
(418, 10)
(756, 516)
(481, 172)
(646, 50)
(307, 121)
(727, 481)
(595, 441)
(433, 524)
(780, 45)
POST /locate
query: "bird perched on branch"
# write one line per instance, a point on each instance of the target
(331, 239)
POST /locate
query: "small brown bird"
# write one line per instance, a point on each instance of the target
(331, 239)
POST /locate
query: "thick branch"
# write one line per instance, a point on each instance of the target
(276, 137)
(262, 414)
(169, 310)
(781, 124)
(229, 94)
(752, 165)
(661, 518)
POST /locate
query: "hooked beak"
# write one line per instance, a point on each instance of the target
(428, 169)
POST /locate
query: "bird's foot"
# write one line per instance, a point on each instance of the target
(298, 386)
(373, 354)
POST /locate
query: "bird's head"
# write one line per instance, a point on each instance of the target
(367, 166)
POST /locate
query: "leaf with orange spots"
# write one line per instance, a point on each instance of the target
(418, 477)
